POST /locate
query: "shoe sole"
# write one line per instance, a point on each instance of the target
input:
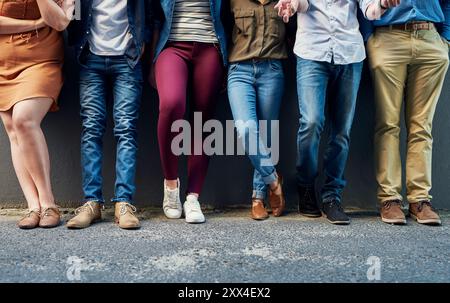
(260, 219)
(50, 226)
(394, 221)
(310, 215)
(28, 227)
(116, 221)
(427, 221)
(173, 218)
(83, 227)
(195, 221)
(336, 222)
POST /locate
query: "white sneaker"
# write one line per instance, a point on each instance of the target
(172, 204)
(192, 210)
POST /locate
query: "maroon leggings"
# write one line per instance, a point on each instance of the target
(178, 64)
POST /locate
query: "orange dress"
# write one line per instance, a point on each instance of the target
(30, 63)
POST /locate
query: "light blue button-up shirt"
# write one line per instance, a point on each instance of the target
(329, 32)
(436, 11)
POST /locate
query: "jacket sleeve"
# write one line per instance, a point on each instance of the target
(444, 28)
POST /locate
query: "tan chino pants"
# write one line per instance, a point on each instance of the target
(409, 67)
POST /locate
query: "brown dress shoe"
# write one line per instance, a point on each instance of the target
(276, 201)
(125, 216)
(50, 217)
(90, 212)
(424, 213)
(392, 213)
(30, 220)
(259, 212)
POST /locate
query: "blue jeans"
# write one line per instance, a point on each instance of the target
(314, 80)
(255, 90)
(96, 75)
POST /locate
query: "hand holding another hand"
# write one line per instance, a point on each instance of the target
(389, 3)
(286, 9)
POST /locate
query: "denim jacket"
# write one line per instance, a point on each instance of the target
(140, 18)
(163, 22)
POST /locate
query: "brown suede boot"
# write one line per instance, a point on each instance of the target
(125, 216)
(392, 213)
(30, 220)
(424, 213)
(90, 212)
(259, 212)
(50, 217)
(276, 201)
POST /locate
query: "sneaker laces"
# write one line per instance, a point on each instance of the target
(46, 211)
(194, 206)
(423, 203)
(334, 203)
(31, 211)
(172, 198)
(124, 208)
(85, 207)
(389, 203)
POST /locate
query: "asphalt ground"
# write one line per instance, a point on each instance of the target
(229, 247)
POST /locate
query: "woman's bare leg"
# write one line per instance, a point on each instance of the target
(27, 116)
(25, 180)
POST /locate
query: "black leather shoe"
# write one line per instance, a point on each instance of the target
(334, 213)
(307, 203)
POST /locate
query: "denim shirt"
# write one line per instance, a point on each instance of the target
(436, 11)
(164, 18)
(140, 21)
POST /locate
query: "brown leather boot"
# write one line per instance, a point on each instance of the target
(125, 216)
(30, 220)
(259, 212)
(392, 213)
(276, 201)
(50, 217)
(424, 213)
(85, 215)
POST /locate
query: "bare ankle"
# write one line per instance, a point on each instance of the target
(172, 184)
(48, 205)
(194, 194)
(274, 185)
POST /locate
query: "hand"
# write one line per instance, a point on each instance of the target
(152, 77)
(390, 3)
(286, 9)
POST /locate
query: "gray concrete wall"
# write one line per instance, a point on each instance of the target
(229, 178)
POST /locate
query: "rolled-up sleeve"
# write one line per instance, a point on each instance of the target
(364, 4)
(303, 6)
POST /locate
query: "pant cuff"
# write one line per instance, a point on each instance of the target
(328, 199)
(270, 178)
(383, 200)
(417, 200)
(259, 194)
(115, 200)
(101, 201)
